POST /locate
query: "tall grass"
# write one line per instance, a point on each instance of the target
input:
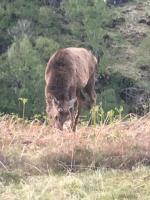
(35, 147)
(104, 161)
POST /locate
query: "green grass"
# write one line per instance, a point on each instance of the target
(89, 185)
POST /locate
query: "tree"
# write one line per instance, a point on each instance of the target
(27, 70)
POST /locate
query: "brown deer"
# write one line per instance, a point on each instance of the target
(69, 77)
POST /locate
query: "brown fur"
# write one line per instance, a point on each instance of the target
(70, 73)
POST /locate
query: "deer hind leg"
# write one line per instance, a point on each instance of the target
(76, 116)
(90, 90)
(92, 95)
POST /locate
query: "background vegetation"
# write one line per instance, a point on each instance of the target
(31, 30)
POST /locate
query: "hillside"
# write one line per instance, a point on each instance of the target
(128, 51)
(131, 51)
(32, 30)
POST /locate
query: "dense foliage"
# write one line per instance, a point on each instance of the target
(31, 30)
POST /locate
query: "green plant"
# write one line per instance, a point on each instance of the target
(24, 101)
(99, 116)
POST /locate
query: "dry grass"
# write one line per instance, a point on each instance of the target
(31, 147)
(31, 153)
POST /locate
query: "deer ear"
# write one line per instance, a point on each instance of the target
(72, 102)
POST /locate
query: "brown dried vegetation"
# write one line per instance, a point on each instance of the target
(34, 147)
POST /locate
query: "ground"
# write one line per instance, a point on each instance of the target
(90, 185)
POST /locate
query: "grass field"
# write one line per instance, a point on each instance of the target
(105, 162)
(89, 185)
